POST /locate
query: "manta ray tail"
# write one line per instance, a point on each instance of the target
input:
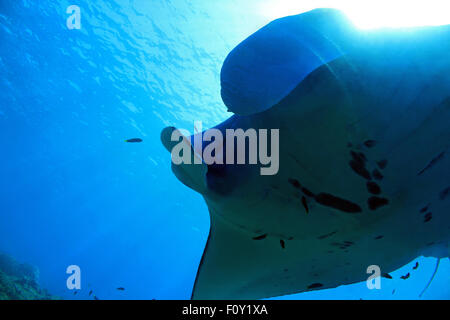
(432, 277)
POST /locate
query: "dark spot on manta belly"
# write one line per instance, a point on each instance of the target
(377, 202)
(416, 265)
(444, 193)
(358, 165)
(315, 285)
(370, 143)
(305, 204)
(373, 188)
(432, 163)
(337, 203)
(326, 235)
(382, 163)
(377, 175)
(282, 244)
(326, 199)
(405, 276)
(362, 156)
(386, 275)
(295, 183)
(263, 236)
(308, 193)
(360, 170)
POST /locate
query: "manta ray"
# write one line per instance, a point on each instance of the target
(364, 157)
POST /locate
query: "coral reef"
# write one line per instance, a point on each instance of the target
(19, 281)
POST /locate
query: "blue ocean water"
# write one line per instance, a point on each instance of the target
(72, 192)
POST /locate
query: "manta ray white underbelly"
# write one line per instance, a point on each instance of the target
(364, 172)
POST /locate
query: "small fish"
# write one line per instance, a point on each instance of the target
(416, 266)
(75, 292)
(393, 291)
(405, 276)
(90, 292)
(134, 140)
(121, 289)
(386, 275)
(96, 298)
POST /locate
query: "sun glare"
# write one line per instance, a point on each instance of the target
(369, 14)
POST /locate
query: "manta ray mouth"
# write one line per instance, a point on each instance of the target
(223, 179)
(216, 178)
